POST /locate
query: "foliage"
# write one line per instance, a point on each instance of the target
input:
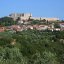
(11, 56)
(35, 22)
(56, 25)
(7, 21)
(33, 47)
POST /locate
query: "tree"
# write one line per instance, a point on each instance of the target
(11, 56)
(56, 25)
(44, 20)
(7, 21)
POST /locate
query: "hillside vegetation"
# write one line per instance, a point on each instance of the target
(32, 47)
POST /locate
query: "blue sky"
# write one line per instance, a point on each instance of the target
(38, 8)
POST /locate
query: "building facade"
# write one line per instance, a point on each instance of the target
(26, 16)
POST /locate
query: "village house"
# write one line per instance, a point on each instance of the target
(54, 29)
(57, 29)
(16, 28)
(40, 27)
(61, 24)
(30, 27)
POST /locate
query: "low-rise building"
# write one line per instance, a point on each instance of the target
(61, 24)
(30, 27)
(16, 28)
(40, 27)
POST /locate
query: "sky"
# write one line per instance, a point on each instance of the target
(38, 8)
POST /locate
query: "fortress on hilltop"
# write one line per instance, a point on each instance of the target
(26, 16)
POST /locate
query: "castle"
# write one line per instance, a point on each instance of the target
(26, 16)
